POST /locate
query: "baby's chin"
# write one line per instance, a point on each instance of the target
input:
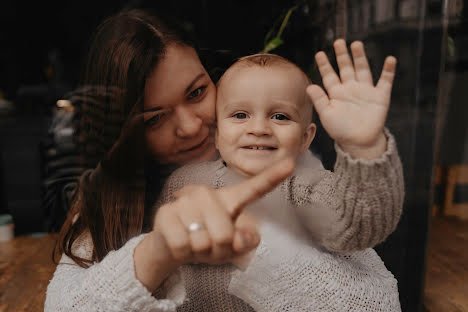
(248, 170)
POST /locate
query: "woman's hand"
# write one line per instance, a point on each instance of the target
(353, 111)
(223, 236)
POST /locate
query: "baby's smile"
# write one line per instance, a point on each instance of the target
(257, 147)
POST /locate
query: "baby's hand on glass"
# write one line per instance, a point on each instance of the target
(353, 110)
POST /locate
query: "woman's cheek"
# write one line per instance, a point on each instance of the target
(209, 106)
(158, 143)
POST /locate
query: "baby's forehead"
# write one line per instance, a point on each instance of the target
(291, 74)
(243, 67)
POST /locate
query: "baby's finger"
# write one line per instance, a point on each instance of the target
(388, 73)
(329, 77)
(318, 97)
(344, 61)
(236, 197)
(361, 65)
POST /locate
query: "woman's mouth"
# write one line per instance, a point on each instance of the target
(198, 147)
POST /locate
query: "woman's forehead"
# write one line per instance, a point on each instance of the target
(173, 77)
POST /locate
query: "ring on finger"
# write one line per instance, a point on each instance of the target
(194, 227)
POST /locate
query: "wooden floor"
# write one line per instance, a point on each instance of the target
(446, 287)
(26, 268)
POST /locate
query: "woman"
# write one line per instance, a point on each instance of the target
(149, 107)
(147, 100)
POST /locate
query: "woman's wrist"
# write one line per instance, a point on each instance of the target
(371, 151)
(153, 261)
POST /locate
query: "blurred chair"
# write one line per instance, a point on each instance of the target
(61, 166)
(439, 183)
(457, 176)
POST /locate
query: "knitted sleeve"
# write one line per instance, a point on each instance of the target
(110, 285)
(355, 207)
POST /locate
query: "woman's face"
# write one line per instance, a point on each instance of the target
(179, 109)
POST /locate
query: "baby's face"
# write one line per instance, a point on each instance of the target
(261, 117)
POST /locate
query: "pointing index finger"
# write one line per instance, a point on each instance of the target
(237, 196)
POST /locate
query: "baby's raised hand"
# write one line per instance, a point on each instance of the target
(353, 110)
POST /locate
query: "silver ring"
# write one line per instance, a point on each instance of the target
(195, 226)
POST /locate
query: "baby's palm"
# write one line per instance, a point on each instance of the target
(354, 111)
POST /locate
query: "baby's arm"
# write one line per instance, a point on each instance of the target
(359, 204)
(355, 207)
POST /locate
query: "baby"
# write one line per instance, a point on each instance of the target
(317, 226)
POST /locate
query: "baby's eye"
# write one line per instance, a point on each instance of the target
(240, 115)
(280, 117)
(196, 93)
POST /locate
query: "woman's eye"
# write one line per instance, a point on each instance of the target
(196, 93)
(154, 120)
(280, 117)
(240, 115)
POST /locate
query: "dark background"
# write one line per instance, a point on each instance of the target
(42, 48)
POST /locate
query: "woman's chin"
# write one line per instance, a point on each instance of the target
(210, 153)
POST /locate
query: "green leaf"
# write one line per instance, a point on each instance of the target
(273, 44)
(285, 20)
(451, 46)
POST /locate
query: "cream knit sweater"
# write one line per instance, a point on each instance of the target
(314, 266)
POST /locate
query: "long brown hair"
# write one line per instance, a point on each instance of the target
(110, 202)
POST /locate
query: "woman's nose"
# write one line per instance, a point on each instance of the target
(259, 127)
(188, 123)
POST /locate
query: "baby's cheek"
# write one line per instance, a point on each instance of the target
(224, 139)
(294, 147)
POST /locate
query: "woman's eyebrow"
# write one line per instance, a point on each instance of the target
(190, 86)
(152, 109)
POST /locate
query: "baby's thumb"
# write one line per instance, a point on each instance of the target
(245, 240)
(244, 245)
(246, 235)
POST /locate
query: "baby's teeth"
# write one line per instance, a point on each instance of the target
(258, 147)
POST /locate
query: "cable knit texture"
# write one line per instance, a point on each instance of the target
(358, 205)
(109, 285)
(316, 230)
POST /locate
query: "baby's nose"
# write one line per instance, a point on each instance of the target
(259, 127)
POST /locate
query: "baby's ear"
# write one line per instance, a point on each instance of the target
(308, 136)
